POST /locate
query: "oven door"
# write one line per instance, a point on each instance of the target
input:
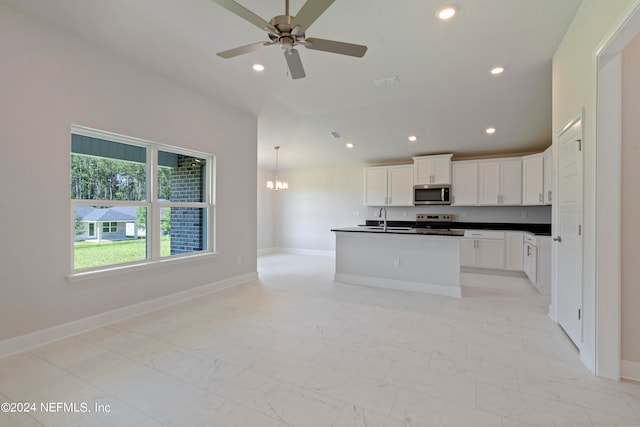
(432, 195)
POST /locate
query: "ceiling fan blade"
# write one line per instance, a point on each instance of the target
(295, 64)
(309, 12)
(335, 47)
(244, 49)
(246, 14)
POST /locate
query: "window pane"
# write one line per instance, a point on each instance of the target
(107, 170)
(181, 178)
(183, 230)
(107, 235)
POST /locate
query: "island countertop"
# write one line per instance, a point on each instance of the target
(400, 230)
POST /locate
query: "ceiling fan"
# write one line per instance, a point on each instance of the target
(289, 31)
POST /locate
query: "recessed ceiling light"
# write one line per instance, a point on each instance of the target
(490, 130)
(497, 70)
(349, 144)
(447, 12)
(258, 67)
(413, 138)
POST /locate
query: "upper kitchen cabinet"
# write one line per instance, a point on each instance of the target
(547, 188)
(464, 183)
(432, 169)
(533, 179)
(500, 182)
(388, 186)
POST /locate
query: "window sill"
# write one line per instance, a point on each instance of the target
(82, 276)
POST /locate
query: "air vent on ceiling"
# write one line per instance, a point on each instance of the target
(336, 134)
(389, 81)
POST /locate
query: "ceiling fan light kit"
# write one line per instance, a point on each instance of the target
(288, 31)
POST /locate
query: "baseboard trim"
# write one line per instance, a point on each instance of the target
(296, 251)
(401, 285)
(44, 336)
(630, 370)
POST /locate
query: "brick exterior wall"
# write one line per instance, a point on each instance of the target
(187, 223)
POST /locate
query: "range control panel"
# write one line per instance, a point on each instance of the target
(434, 218)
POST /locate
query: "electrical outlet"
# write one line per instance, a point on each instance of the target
(356, 213)
(239, 260)
(524, 215)
(465, 214)
(405, 213)
(396, 263)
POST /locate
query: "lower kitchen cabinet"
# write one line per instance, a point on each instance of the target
(482, 249)
(513, 253)
(537, 261)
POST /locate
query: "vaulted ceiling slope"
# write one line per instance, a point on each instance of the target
(445, 95)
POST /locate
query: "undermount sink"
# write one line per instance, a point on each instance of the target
(381, 227)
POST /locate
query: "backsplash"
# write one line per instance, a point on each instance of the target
(515, 214)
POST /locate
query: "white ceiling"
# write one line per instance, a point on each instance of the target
(446, 95)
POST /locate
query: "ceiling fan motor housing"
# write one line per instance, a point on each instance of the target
(284, 37)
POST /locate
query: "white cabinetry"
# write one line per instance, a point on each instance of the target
(464, 183)
(547, 190)
(482, 249)
(537, 261)
(531, 258)
(432, 169)
(513, 245)
(388, 186)
(501, 182)
(533, 179)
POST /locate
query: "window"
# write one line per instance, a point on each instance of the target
(135, 201)
(109, 227)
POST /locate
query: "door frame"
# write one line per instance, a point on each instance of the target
(608, 119)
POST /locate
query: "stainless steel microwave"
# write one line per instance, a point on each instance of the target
(432, 194)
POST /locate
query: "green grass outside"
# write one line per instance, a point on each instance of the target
(97, 254)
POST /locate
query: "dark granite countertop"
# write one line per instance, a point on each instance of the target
(539, 229)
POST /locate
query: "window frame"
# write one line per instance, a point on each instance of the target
(151, 203)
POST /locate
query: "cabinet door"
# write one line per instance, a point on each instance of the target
(548, 177)
(467, 252)
(375, 186)
(400, 186)
(489, 183)
(464, 184)
(532, 180)
(422, 171)
(511, 182)
(531, 263)
(491, 253)
(514, 250)
(441, 170)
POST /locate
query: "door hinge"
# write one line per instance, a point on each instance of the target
(579, 229)
(579, 314)
(579, 144)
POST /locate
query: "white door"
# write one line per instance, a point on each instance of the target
(464, 184)
(375, 186)
(490, 177)
(511, 182)
(569, 232)
(400, 190)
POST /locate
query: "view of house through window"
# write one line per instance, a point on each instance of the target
(115, 222)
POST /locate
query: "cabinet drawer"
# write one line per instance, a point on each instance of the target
(531, 239)
(484, 234)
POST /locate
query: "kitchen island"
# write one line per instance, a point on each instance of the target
(404, 259)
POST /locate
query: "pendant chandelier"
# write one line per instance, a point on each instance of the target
(278, 185)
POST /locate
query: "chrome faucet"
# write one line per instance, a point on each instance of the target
(384, 208)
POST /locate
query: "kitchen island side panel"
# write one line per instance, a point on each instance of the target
(428, 264)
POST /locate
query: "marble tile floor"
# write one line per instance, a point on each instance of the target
(297, 349)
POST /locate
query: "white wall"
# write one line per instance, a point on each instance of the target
(574, 89)
(317, 201)
(49, 81)
(630, 200)
(266, 211)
